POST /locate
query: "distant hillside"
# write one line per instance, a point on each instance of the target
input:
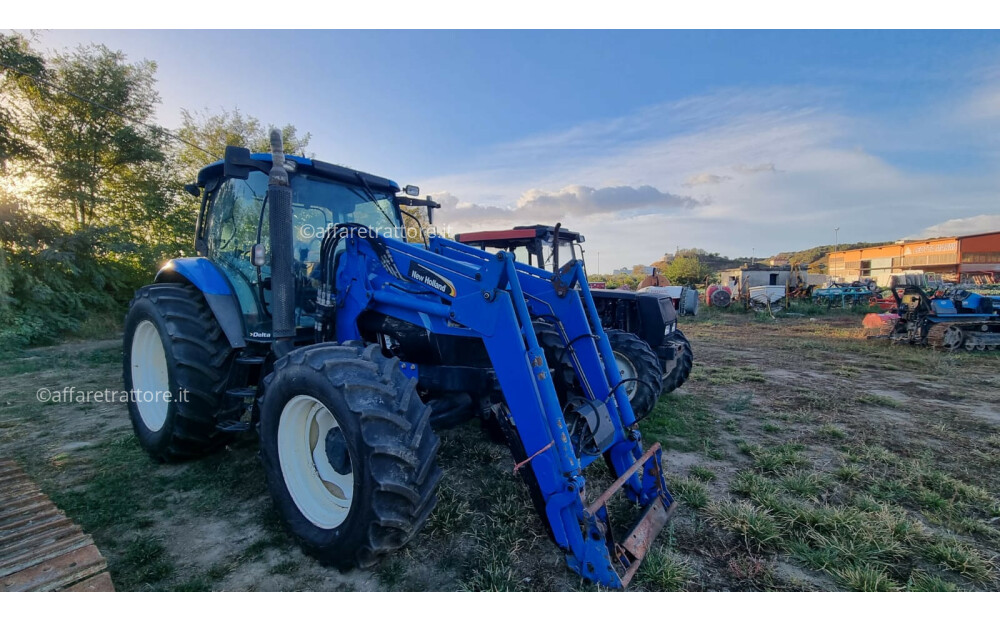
(816, 257)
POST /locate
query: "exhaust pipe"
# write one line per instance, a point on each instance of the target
(279, 199)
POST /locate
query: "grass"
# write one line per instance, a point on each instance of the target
(775, 459)
(958, 557)
(878, 400)
(732, 375)
(795, 473)
(865, 579)
(689, 491)
(681, 422)
(757, 527)
(704, 474)
(664, 571)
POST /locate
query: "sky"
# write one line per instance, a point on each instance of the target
(745, 143)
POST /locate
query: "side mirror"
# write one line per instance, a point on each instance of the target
(238, 164)
(411, 190)
(431, 205)
(192, 189)
(258, 257)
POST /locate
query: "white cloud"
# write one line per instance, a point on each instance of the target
(706, 178)
(795, 170)
(579, 201)
(961, 226)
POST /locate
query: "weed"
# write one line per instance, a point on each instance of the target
(958, 557)
(663, 571)
(691, 492)
(865, 579)
(702, 473)
(756, 525)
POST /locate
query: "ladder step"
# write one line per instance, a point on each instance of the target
(246, 392)
(233, 426)
(251, 360)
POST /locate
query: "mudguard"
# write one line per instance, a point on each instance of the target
(209, 279)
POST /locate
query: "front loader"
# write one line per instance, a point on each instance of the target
(308, 317)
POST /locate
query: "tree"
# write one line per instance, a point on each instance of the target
(16, 52)
(214, 132)
(686, 271)
(88, 141)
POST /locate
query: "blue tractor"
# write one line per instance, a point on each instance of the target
(948, 321)
(308, 317)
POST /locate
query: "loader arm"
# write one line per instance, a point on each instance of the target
(455, 289)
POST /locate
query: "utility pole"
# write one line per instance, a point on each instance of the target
(598, 261)
(836, 238)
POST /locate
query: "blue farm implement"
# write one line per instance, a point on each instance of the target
(948, 321)
(308, 317)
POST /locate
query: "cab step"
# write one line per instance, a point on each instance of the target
(243, 392)
(232, 426)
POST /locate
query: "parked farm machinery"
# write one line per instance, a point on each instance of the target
(653, 354)
(843, 295)
(948, 321)
(307, 317)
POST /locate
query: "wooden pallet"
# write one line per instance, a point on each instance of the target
(40, 548)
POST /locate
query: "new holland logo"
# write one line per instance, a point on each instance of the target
(436, 281)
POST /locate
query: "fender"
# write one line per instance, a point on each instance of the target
(207, 278)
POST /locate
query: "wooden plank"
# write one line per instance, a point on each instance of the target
(40, 548)
(64, 570)
(100, 582)
(26, 558)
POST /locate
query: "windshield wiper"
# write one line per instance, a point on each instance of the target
(371, 196)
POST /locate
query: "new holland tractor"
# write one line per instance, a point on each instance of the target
(307, 317)
(651, 352)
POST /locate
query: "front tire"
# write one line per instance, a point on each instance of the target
(348, 451)
(677, 370)
(174, 346)
(640, 370)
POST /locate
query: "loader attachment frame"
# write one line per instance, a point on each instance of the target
(455, 289)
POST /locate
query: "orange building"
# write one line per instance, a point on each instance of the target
(951, 257)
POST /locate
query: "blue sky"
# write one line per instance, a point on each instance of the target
(735, 142)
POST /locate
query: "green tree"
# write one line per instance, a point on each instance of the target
(90, 141)
(16, 52)
(212, 133)
(686, 270)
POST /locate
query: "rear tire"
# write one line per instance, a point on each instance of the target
(345, 416)
(677, 370)
(174, 345)
(637, 361)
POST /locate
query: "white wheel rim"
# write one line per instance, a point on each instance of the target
(320, 493)
(150, 380)
(627, 370)
(952, 338)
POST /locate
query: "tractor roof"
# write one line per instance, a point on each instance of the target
(519, 233)
(312, 166)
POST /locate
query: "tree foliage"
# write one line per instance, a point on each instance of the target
(93, 203)
(687, 271)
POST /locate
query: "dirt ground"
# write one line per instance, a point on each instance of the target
(804, 457)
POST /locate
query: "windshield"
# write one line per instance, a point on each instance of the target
(567, 252)
(318, 204)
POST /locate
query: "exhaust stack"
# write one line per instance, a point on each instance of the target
(279, 199)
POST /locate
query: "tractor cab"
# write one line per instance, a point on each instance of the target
(537, 245)
(233, 224)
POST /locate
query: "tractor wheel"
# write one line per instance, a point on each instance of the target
(348, 451)
(557, 357)
(640, 370)
(677, 370)
(173, 346)
(563, 376)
